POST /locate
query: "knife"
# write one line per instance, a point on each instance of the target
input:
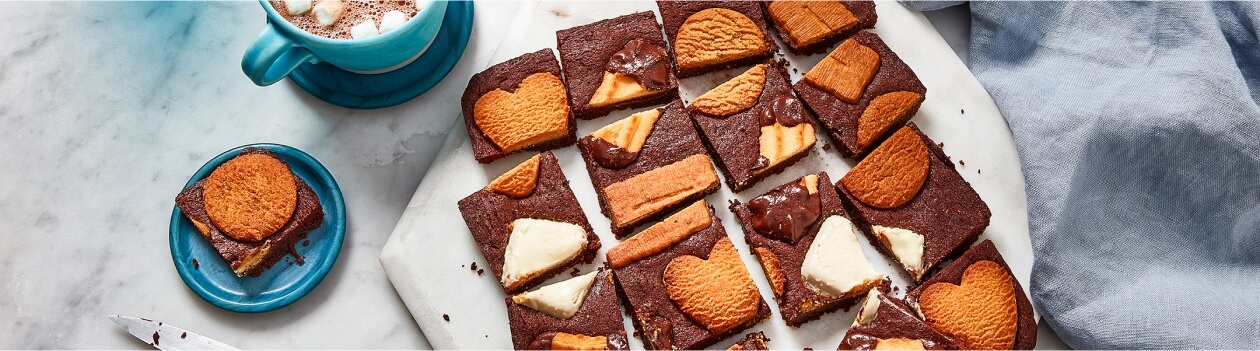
(166, 336)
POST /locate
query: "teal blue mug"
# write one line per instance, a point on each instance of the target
(282, 47)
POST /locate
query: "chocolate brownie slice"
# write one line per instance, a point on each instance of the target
(646, 165)
(861, 92)
(517, 105)
(766, 137)
(578, 313)
(977, 301)
(707, 36)
(911, 202)
(529, 225)
(799, 233)
(884, 323)
(616, 64)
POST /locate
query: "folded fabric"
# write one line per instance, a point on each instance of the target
(1139, 134)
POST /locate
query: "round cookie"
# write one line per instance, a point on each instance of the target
(250, 196)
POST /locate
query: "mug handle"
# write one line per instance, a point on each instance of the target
(272, 57)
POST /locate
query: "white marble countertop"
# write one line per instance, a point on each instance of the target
(108, 107)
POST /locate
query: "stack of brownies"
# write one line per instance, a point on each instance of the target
(680, 277)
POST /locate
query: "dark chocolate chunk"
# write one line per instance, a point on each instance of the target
(784, 213)
(608, 155)
(646, 63)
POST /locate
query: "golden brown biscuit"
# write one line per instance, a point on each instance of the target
(251, 196)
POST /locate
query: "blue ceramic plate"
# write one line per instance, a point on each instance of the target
(208, 275)
(370, 91)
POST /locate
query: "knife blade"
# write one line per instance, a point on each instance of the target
(165, 336)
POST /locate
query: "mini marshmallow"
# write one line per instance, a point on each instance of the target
(392, 20)
(364, 30)
(297, 7)
(327, 12)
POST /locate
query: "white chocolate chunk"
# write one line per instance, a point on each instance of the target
(327, 12)
(835, 265)
(538, 245)
(297, 7)
(869, 310)
(561, 300)
(392, 20)
(364, 30)
(906, 245)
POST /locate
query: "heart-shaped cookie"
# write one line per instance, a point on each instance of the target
(537, 112)
(981, 312)
(718, 292)
(892, 174)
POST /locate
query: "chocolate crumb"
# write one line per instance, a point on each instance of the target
(446, 317)
(474, 266)
(794, 70)
(941, 144)
(183, 335)
(306, 243)
(962, 111)
(480, 271)
(574, 273)
(977, 171)
(196, 265)
(826, 146)
(809, 349)
(155, 338)
(960, 162)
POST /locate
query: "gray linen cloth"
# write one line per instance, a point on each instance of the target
(1139, 132)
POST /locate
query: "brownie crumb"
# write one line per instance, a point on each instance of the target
(306, 243)
(977, 171)
(574, 273)
(809, 349)
(941, 144)
(794, 70)
(960, 162)
(183, 335)
(196, 265)
(155, 338)
(827, 146)
(480, 271)
(474, 266)
(446, 317)
(962, 111)
(896, 288)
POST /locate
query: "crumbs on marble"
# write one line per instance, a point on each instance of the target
(826, 146)
(446, 317)
(575, 272)
(961, 163)
(977, 171)
(474, 266)
(183, 335)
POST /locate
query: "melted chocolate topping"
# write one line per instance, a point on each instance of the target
(785, 213)
(644, 62)
(785, 109)
(608, 155)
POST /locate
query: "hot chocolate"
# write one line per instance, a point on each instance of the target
(348, 19)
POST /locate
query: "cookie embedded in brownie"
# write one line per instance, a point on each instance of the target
(861, 92)
(707, 36)
(912, 203)
(520, 104)
(810, 27)
(580, 313)
(884, 323)
(754, 125)
(529, 225)
(646, 165)
(977, 301)
(615, 64)
(253, 257)
(683, 282)
(752, 341)
(807, 248)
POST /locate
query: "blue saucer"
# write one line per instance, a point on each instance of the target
(370, 91)
(208, 275)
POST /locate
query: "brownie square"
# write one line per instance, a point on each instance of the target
(675, 13)
(508, 76)
(649, 185)
(735, 139)
(782, 251)
(253, 258)
(598, 316)
(861, 15)
(1026, 326)
(490, 216)
(946, 211)
(840, 118)
(887, 321)
(586, 51)
(641, 279)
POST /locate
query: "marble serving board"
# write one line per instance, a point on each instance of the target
(430, 255)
